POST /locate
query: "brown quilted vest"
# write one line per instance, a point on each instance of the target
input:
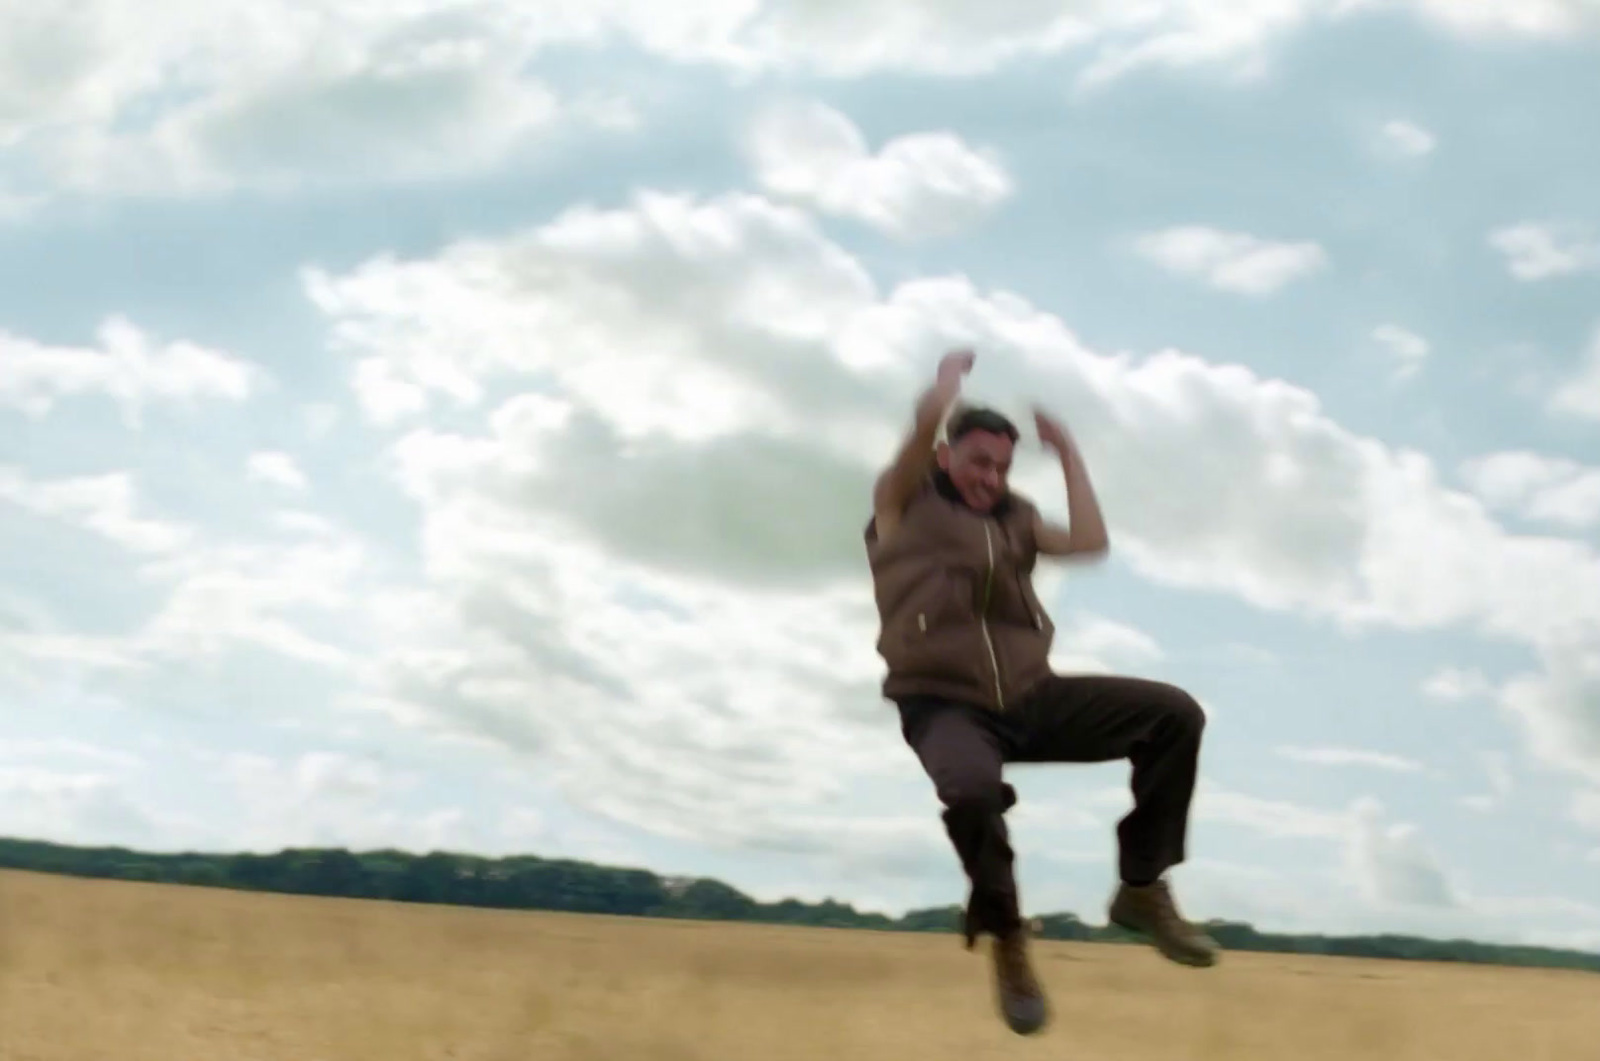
(958, 614)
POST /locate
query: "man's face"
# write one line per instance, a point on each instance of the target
(978, 464)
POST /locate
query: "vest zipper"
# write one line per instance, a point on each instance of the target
(983, 618)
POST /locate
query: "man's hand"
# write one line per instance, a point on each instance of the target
(953, 368)
(1051, 433)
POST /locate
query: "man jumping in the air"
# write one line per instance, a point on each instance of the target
(966, 639)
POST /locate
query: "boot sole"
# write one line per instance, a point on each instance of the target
(1029, 1023)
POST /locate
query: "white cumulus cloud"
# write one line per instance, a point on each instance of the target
(285, 598)
(1272, 818)
(327, 798)
(1535, 486)
(1546, 19)
(1537, 251)
(290, 597)
(114, 96)
(127, 367)
(1393, 865)
(276, 468)
(73, 806)
(1408, 139)
(1387, 863)
(452, 108)
(1580, 395)
(1452, 684)
(1235, 262)
(102, 504)
(1410, 350)
(1388, 876)
(916, 185)
(1350, 757)
(1559, 705)
(1095, 643)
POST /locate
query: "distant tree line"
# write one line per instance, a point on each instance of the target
(530, 883)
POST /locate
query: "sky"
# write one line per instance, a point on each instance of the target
(450, 425)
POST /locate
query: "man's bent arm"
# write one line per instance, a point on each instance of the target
(1085, 536)
(901, 479)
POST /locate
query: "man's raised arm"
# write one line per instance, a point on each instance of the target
(899, 481)
(1085, 536)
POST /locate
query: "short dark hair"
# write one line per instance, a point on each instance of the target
(970, 418)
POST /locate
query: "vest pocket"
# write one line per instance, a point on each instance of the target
(1034, 608)
(931, 625)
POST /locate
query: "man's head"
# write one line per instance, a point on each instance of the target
(976, 455)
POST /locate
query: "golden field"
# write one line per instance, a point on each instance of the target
(94, 970)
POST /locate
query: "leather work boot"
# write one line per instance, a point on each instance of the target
(1017, 990)
(1151, 912)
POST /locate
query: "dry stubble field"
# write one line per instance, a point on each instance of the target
(93, 970)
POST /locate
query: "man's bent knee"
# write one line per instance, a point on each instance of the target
(982, 795)
(1182, 710)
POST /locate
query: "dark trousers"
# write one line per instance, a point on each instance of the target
(1067, 719)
